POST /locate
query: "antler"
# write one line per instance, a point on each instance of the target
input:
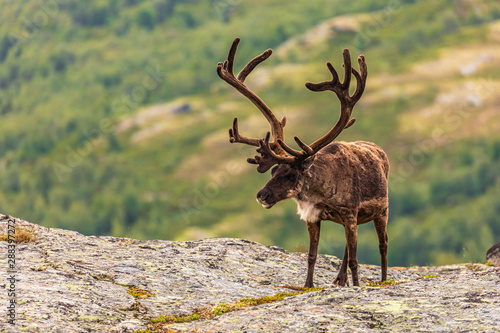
(225, 72)
(276, 152)
(347, 103)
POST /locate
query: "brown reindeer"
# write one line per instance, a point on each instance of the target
(344, 182)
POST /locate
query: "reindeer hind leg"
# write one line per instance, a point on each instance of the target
(342, 279)
(381, 227)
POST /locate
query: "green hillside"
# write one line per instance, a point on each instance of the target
(114, 121)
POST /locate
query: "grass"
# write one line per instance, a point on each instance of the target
(299, 247)
(22, 235)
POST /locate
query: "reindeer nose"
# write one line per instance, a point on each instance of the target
(264, 196)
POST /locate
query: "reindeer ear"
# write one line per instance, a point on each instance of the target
(306, 164)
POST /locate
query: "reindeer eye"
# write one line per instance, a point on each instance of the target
(291, 177)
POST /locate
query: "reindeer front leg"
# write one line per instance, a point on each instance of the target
(351, 233)
(314, 229)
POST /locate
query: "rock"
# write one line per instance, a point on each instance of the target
(182, 109)
(68, 282)
(493, 255)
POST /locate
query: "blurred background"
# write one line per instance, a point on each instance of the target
(113, 120)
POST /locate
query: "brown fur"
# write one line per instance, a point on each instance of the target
(347, 184)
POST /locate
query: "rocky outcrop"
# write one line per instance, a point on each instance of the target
(68, 282)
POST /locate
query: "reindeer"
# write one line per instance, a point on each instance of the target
(343, 182)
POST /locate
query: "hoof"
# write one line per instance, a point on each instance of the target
(340, 282)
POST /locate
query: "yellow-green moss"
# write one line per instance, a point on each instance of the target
(474, 267)
(276, 297)
(217, 310)
(139, 293)
(429, 276)
(382, 283)
(176, 319)
(163, 331)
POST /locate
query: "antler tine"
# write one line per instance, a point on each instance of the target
(231, 55)
(360, 79)
(347, 70)
(283, 121)
(350, 123)
(332, 85)
(304, 153)
(290, 150)
(268, 158)
(252, 64)
(234, 136)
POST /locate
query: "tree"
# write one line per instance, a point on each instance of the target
(131, 208)
(145, 19)
(5, 45)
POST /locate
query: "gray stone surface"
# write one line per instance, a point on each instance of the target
(67, 282)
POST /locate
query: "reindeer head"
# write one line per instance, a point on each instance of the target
(288, 177)
(286, 182)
